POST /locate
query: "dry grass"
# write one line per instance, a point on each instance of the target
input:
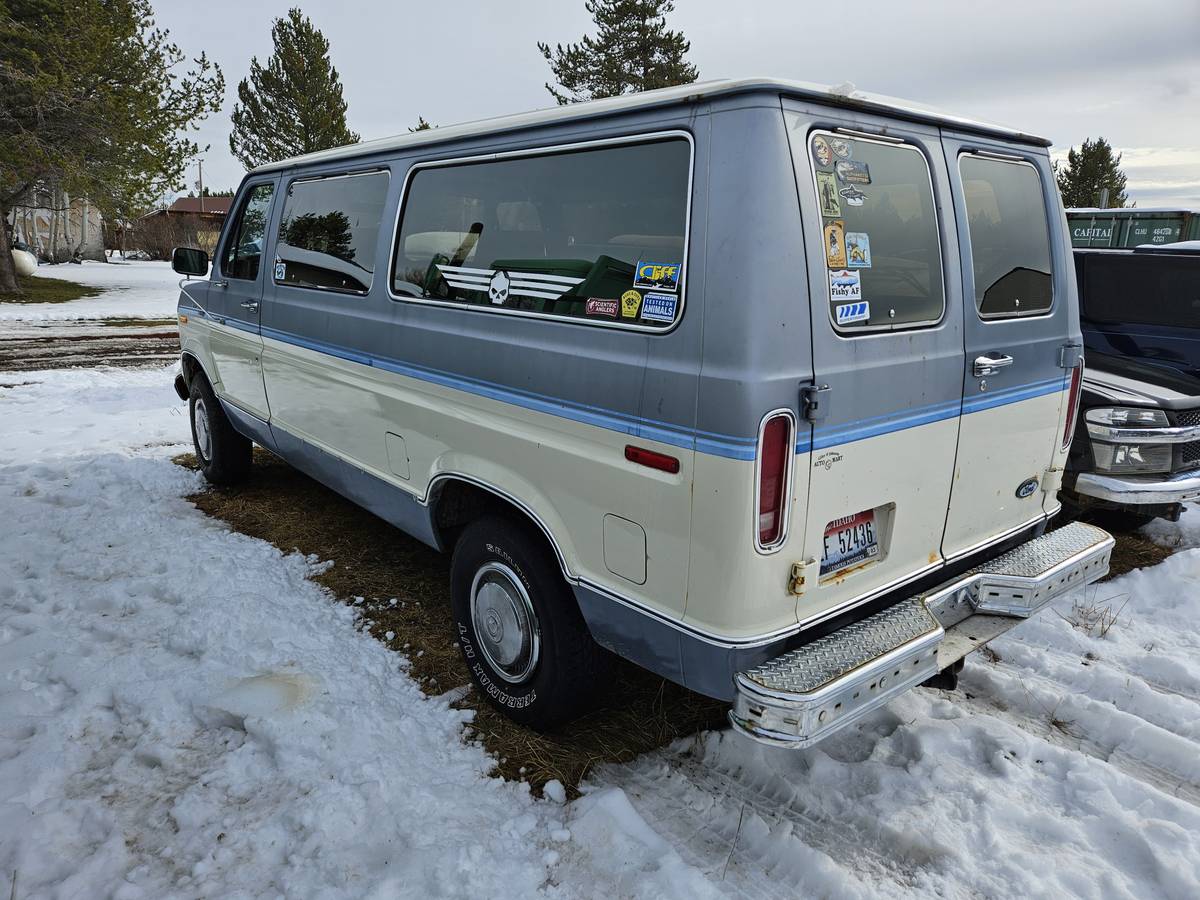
(49, 290)
(1094, 618)
(378, 563)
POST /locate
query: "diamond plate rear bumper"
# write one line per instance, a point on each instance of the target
(806, 694)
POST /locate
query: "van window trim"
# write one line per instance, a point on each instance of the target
(305, 179)
(235, 222)
(648, 137)
(894, 141)
(1013, 160)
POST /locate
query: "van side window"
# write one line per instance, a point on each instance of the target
(1010, 237)
(244, 250)
(879, 226)
(329, 232)
(596, 235)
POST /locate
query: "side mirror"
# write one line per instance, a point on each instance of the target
(189, 261)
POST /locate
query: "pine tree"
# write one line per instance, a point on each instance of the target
(632, 51)
(294, 104)
(94, 103)
(422, 125)
(1087, 171)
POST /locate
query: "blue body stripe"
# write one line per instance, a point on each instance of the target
(713, 443)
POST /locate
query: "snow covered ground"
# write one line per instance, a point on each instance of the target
(135, 290)
(184, 714)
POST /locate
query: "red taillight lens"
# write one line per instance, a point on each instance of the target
(774, 459)
(1073, 403)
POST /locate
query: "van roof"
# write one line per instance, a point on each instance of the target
(840, 95)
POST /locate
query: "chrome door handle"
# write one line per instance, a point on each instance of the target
(219, 283)
(991, 363)
(252, 305)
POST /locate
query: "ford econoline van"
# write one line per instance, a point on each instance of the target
(764, 387)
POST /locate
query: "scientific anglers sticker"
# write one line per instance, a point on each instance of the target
(835, 244)
(822, 152)
(660, 307)
(827, 194)
(858, 250)
(853, 312)
(852, 195)
(280, 269)
(852, 171)
(841, 148)
(657, 276)
(844, 286)
(631, 302)
(597, 306)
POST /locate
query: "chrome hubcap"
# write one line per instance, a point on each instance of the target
(200, 424)
(505, 624)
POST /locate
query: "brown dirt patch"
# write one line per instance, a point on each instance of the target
(376, 562)
(49, 290)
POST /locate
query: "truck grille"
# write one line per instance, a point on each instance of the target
(1189, 454)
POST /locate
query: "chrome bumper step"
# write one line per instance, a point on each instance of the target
(806, 694)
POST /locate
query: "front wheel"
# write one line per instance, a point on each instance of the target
(519, 629)
(223, 454)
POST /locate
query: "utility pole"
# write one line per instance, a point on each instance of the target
(200, 163)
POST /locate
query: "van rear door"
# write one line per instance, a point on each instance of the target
(887, 343)
(1017, 320)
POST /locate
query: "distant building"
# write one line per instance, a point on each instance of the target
(189, 221)
(214, 209)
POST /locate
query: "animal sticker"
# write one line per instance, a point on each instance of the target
(852, 195)
(844, 286)
(840, 147)
(858, 250)
(822, 152)
(852, 171)
(835, 244)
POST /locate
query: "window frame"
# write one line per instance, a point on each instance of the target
(1012, 160)
(235, 223)
(302, 179)
(885, 141)
(649, 137)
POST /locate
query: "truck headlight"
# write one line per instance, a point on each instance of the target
(1126, 416)
(1132, 458)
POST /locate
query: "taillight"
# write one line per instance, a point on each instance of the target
(775, 451)
(1073, 403)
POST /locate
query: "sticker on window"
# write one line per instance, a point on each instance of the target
(631, 302)
(657, 276)
(598, 306)
(828, 194)
(280, 269)
(835, 244)
(858, 250)
(844, 286)
(853, 312)
(852, 195)
(659, 307)
(841, 148)
(852, 171)
(822, 152)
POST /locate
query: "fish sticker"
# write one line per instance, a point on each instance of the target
(835, 244)
(821, 151)
(852, 195)
(840, 148)
(827, 194)
(852, 171)
(844, 286)
(858, 250)
(847, 313)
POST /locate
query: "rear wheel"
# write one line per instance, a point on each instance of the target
(223, 454)
(519, 629)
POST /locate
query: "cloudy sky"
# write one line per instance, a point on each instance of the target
(1068, 70)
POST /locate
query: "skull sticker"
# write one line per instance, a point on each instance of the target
(498, 287)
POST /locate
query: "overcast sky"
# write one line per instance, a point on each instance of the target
(1068, 70)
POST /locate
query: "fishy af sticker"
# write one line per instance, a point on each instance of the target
(844, 286)
(827, 194)
(858, 311)
(597, 306)
(822, 152)
(852, 195)
(858, 250)
(659, 307)
(657, 276)
(631, 302)
(852, 171)
(835, 244)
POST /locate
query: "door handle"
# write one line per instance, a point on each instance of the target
(252, 305)
(219, 283)
(991, 363)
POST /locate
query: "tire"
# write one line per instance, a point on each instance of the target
(223, 454)
(536, 662)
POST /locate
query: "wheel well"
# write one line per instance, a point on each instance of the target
(190, 367)
(457, 503)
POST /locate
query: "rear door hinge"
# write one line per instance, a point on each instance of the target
(1070, 355)
(1052, 480)
(804, 576)
(814, 401)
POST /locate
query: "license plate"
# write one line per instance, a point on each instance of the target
(849, 542)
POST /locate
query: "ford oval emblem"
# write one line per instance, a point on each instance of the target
(1026, 488)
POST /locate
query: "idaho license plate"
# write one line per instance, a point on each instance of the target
(849, 542)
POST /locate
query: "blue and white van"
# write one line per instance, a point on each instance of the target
(763, 387)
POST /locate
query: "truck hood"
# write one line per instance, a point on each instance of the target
(1118, 379)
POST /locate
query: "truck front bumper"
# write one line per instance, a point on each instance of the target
(1140, 490)
(807, 694)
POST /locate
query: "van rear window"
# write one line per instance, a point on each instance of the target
(330, 231)
(1010, 237)
(879, 226)
(595, 235)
